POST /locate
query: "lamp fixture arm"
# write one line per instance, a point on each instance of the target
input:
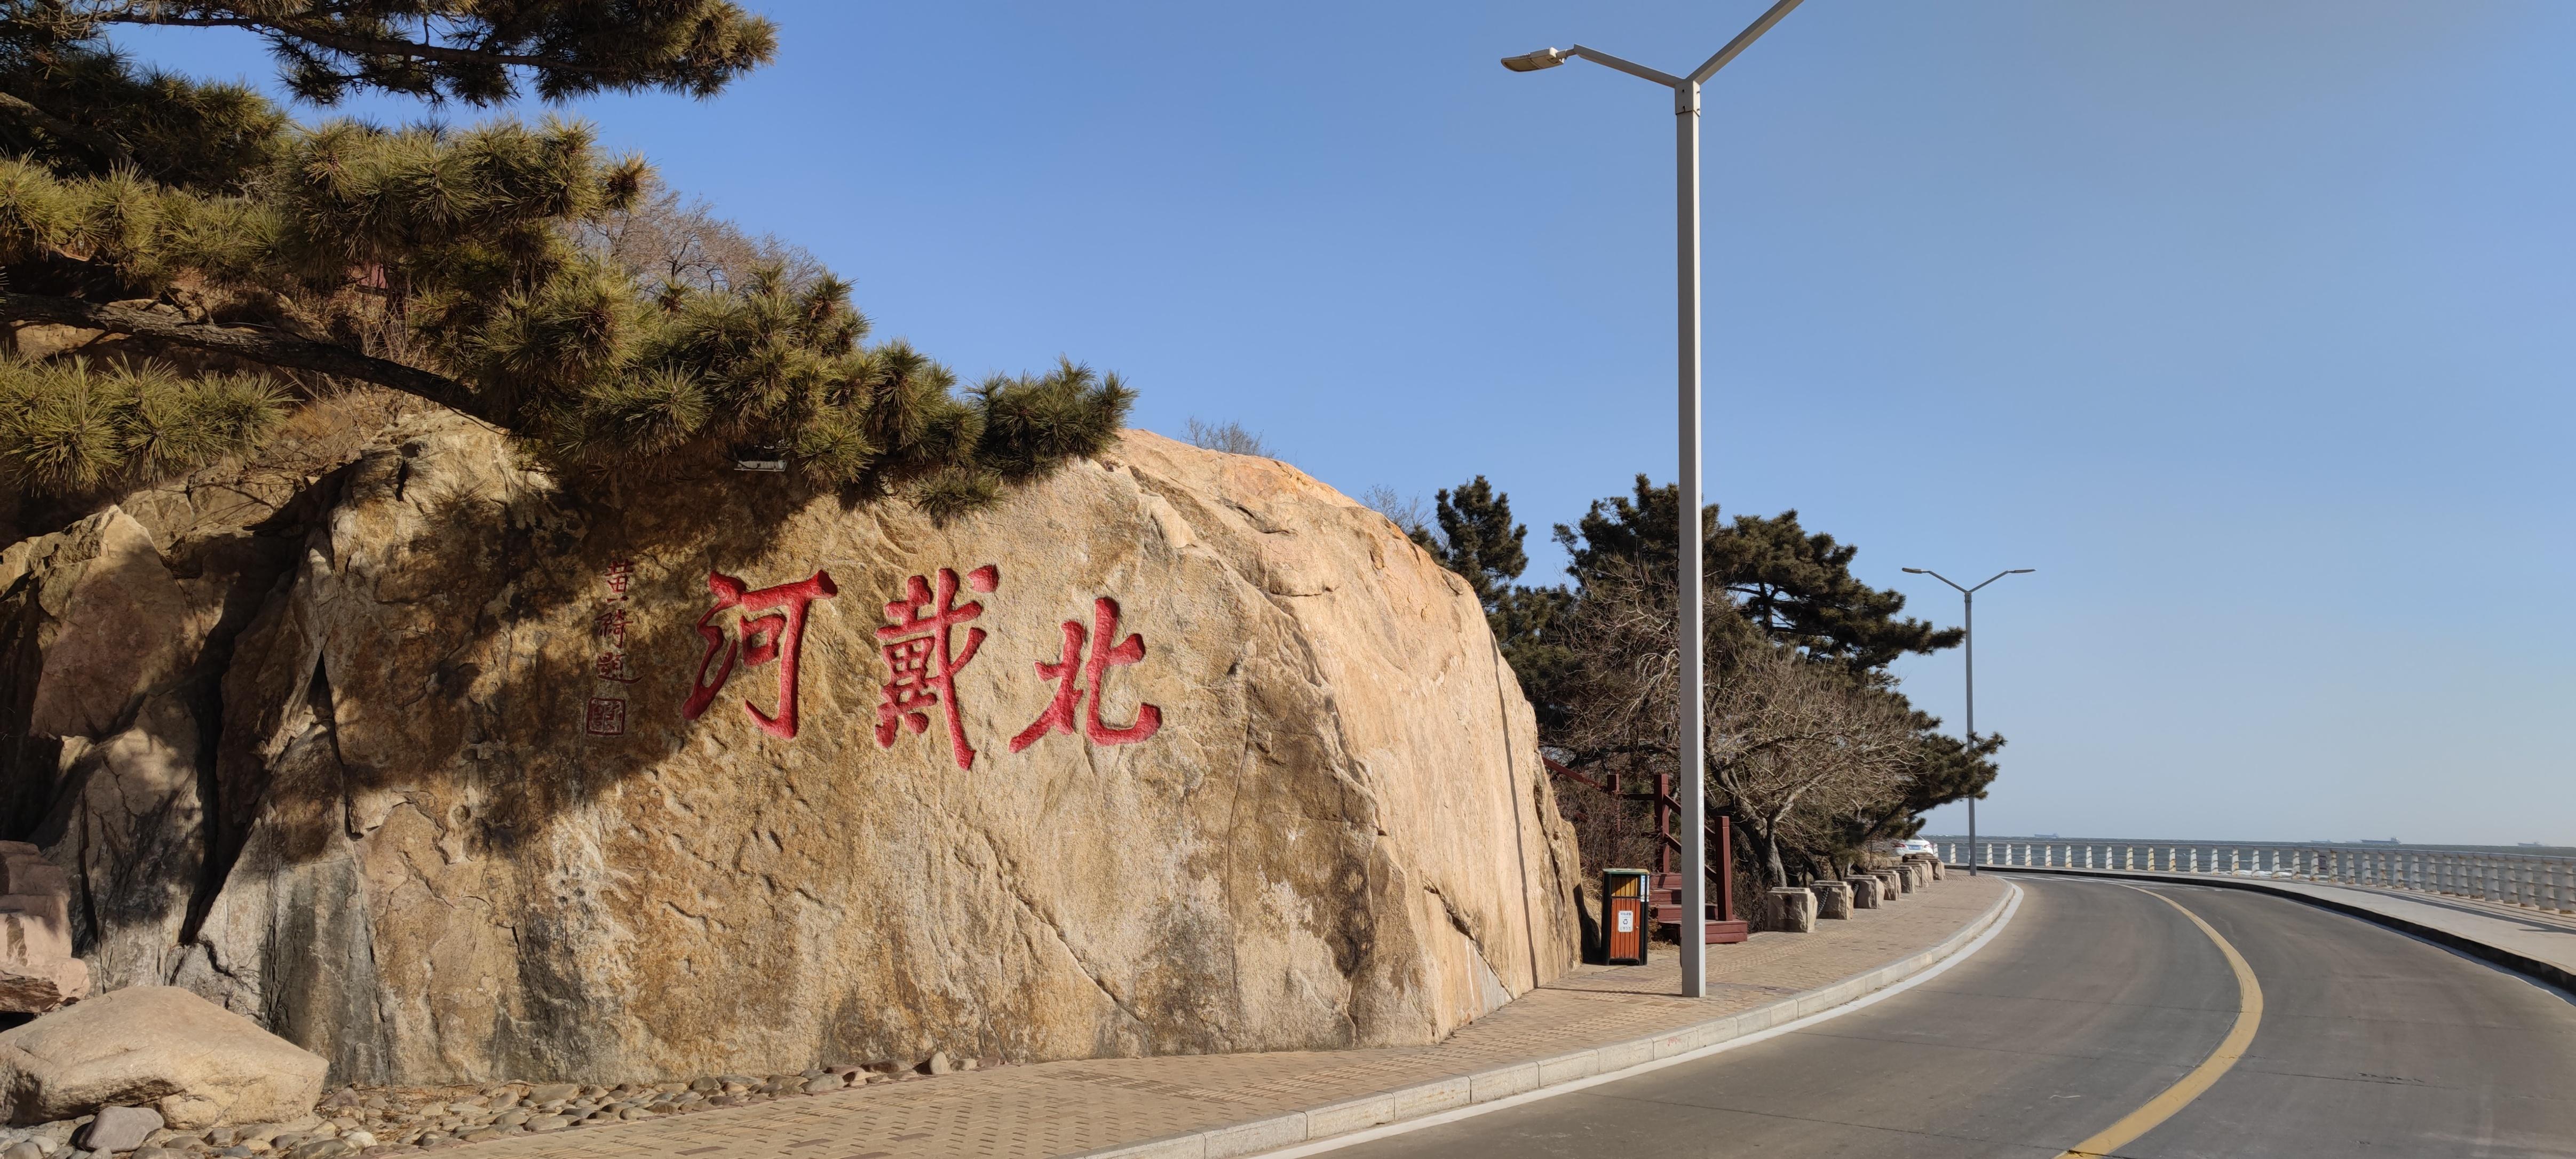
(1743, 40)
(1632, 68)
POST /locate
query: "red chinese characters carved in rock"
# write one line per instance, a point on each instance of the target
(1105, 655)
(606, 715)
(772, 627)
(921, 666)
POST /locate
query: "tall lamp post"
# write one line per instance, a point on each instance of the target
(1689, 701)
(1968, 604)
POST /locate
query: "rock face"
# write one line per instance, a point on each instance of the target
(1172, 752)
(158, 1047)
(37, 969)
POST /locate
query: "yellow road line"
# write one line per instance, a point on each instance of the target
(2249, 1014)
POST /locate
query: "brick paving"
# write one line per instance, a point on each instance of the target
(1061, 1108)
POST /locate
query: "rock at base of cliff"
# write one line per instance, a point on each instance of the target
(155, 1046)
(37, 969)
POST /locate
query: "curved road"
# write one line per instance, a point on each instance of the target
(2089, 1006)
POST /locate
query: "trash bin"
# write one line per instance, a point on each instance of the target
(1623, 916)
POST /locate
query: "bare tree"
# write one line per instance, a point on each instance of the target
(1229, 437)
(670, 240)
(1405, 511)
(1796, 746)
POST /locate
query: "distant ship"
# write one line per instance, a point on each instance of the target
(2376, 841)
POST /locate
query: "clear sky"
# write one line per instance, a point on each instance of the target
(2246, 324)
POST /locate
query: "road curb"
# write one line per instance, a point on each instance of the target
(2523, 964)
(1448, 1094)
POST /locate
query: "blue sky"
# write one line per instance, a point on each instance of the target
(2246, 325)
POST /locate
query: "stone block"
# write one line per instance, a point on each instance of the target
(1793, 909)
(1833, 899)
(1895, 883)
(1865, 890)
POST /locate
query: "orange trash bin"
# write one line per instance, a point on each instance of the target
(1623, 916)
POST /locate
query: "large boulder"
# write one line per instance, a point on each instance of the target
(689, 781)
(154, 1046)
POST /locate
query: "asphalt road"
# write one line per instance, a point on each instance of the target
(2093, 1002)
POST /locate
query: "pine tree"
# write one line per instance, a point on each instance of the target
(474, 268)
(1795, 586)
(1477, 539)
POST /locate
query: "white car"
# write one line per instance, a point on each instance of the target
(1914, 845)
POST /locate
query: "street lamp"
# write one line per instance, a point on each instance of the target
(1968, 637)
(1689, 705)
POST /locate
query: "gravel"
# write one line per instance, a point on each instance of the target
(369, 1122)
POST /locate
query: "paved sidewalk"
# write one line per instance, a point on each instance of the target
(2529, 941)
(1596, 1017)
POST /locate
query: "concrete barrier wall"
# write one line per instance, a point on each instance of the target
(2530, 881)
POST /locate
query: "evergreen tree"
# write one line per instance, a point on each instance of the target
(1477, 539)
(466, 267)
(1795, 586)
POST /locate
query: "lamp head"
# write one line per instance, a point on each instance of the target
(1911, 570)
(1532, 62)
(2021, 571)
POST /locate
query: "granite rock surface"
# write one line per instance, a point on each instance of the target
(448, 777)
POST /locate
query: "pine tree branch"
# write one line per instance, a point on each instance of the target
(348, 43)
(104, 149)
(257, 344)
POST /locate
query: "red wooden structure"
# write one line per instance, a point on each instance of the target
(1719, 926)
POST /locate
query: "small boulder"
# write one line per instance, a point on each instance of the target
(1793, 909)
(118, 1129)
(938, 1063)
(148, 1043)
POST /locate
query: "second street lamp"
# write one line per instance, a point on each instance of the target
(1968, 637)
(1689, 704)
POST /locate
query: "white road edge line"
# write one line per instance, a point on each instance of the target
(1338, 1142)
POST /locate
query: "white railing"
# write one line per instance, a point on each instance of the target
(2530, 881)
